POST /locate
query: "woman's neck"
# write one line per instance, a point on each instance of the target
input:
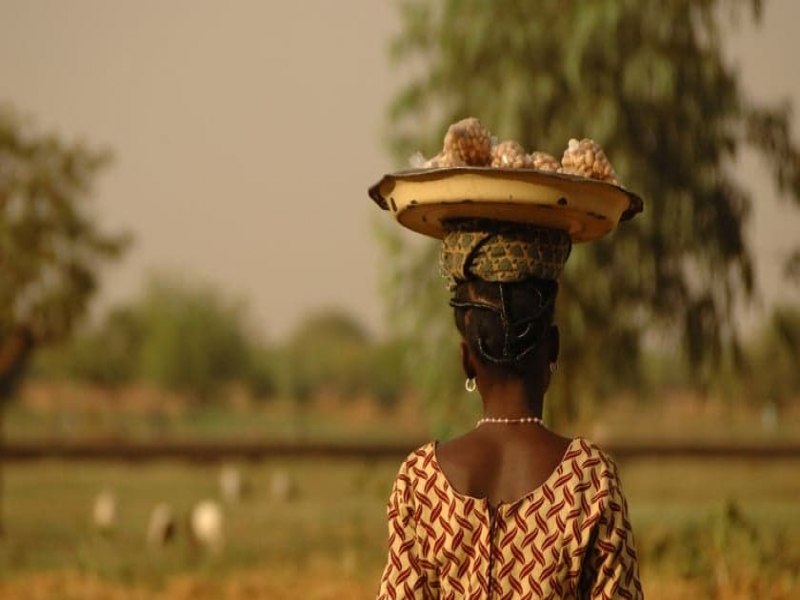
(511, 398)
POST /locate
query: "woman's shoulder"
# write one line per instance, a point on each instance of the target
(593, 468)
(588, 448)
(415, 472)
(419, 463)
(421, 456)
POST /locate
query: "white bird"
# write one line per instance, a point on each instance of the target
(162, 525)
(206, 525)
(281, 486)
(231, 484)
(104, 511)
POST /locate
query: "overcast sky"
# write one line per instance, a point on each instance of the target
(246, 134)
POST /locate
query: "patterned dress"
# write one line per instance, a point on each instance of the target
(568, 538)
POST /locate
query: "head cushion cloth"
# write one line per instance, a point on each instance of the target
(503, 252)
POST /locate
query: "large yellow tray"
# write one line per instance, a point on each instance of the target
(423, 200)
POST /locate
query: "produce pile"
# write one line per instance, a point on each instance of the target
(469, 144)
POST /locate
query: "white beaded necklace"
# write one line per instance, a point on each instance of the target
(508, 421)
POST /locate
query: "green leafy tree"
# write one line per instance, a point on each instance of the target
(328, 350)
(773, 373)
(51, 248)
(262, 372)
(193, 340)
(386, 377)
(107, 355)
(648, 81)
(179, 335)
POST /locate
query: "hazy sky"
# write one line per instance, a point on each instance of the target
(246, 134)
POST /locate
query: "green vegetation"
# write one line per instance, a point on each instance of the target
(694, 523)
(651, 86)
(192, 340)
(181, 337)
(336, 507)
(50, 247)
(329, 349)
(189, 339)
(145, 415)
(772, 366)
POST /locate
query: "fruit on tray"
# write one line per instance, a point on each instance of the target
(542, 161)
(587, 159)
(510, 155)
(468, 143)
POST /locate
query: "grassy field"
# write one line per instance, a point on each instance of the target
(710, 530)
(70, 411)
(705, 529)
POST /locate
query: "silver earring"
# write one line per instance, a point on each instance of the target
(470, 384)
(553, 367)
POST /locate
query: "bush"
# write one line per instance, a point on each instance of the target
(724, 551)
(262, 372)
(329, 350)
(179, 336)
(107, 355)
(189, 339)
(773, 360)
(387, 376)
(194, 340)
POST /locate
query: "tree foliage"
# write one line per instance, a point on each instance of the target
(178, 335)
(51, 248)
(194, 341)
(772, 363)
(648, 81)
(107, 355)
(328, 350)
(331, 352)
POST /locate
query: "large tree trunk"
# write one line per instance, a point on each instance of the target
(2, 470)
(15, 351)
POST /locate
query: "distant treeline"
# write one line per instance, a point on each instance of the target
(190, 339)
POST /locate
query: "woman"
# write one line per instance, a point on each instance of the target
(510, 509)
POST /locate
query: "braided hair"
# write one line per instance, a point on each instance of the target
(504, 323)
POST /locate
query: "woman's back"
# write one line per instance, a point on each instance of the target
(566, 538)
(501, 463)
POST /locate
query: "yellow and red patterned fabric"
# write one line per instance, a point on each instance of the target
(570, 538)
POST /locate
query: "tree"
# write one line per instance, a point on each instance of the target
(181, 335)
(107, 354)
(51, 249)
(646, 80)
(772, 362)
(328, 350)
(193, 340)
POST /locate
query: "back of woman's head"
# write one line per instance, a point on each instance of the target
(504, 324)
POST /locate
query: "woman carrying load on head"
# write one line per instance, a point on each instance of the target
(510, 509)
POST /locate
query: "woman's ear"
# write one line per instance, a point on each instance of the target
(466, 359)
(554, 343)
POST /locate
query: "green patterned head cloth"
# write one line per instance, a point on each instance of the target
(503, 252)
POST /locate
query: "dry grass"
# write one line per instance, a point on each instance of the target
(322, 581)
(328, 541)
(659, 588)
(318, 582)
